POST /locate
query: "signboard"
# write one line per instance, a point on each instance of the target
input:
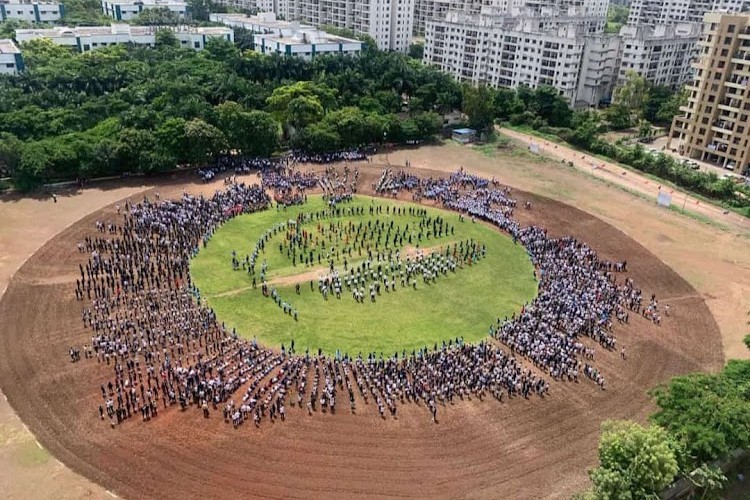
(664, 199)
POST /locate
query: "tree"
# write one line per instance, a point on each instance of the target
(203, 142)
(658, 95)
(633, 93)
(549, 105)
(634, 461)
(416, 51)
(300, 103)
(166, 38)
(618, 117)
(645, 130)
(708, 413)
(199, 9)
(671, 107)
(477, 104)
(10, 153)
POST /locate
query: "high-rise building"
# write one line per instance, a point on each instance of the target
(658, 12)
(11, 60)
(544, 46)
(713, 126)
(662, 55)
(388, 22)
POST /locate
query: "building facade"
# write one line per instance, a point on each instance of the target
(539, 47)
(87, 38)
(663, 55)
(33, 12)
(271, 35)
(388, 22)
(11, 60)
(125, 10)
(713, 126)
(665, 12)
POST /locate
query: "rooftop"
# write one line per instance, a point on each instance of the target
(29, 2)
(147, 2)
(8, 47)
(265, 19)
(115, 29)
(308, 36)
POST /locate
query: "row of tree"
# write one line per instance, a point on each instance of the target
(701, 418)
(637, 102)
(137, 109)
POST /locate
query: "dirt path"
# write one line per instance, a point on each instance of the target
(630, 179)
(521, 449)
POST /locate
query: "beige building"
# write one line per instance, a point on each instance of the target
(714, 126)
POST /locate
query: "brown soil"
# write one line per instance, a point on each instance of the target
(518, 449)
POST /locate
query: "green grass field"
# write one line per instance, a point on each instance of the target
(463, 303)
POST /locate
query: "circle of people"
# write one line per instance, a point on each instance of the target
(163, 347)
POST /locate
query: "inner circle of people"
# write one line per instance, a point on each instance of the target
(361, 258)
(161, 347)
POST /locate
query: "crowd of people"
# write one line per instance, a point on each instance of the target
(163, 347)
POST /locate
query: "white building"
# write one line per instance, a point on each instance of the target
(388, 22)
(86, 38)
(11, 60)
(540, 47)
(271, 35)
(33, 12)
(124, 10)
(657, 12)
(599, 65)
(662, 55)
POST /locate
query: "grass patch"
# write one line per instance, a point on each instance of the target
(463, 303)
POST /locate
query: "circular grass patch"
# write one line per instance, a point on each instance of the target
(493, 276)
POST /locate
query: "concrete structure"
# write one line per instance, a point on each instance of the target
(290, 38)
(662, 55)
(598, 75)
(86, 38)
(33, 12)
(540, 46)
(664, 12)
(714, 125)
(388, 22)
(124, 10)
(11, 60)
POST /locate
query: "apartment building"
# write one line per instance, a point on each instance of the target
(714, 125)
(124, 10)
(543, 46)
(86, 38)
(598, 75)
(11, 60)
(665, 12)
(33, 12)
(388, 22)
(290, 38)
(663, 54)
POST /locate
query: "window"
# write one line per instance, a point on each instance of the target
(197, 45)
(730, 28)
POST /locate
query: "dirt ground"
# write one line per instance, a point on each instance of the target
(537, 448)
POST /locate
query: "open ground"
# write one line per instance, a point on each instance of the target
(534, 449)
(460, 304)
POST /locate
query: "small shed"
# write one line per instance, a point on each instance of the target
(464, 135)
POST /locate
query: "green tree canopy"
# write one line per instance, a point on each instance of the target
(634, 461)
(477, 104)
(633, 93)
